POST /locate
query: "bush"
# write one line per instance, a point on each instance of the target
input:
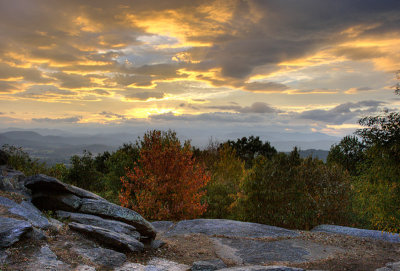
(166, 183)
(297, 193)
(20, 160)
(227, 173)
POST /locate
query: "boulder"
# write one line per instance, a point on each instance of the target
(12, 180)
(209, 265)
(93, 220)
(228, 228)
(43, 183)
(162, 226)
(102, 256)
(28, 211)
(11, 230)
(109, 210)
(379, 235)
(118, 241)
(56, 201)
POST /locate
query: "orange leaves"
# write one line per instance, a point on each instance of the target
(166, 183)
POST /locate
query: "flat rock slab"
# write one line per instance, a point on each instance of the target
(119, 241)
(209, 265)
(247, 251)
(109, 210)
(379, 235)
(262, 268)
(102, 256)
(27, 211)
(162, 226)
(93, 220)
(228, 228)
(11, 230)
(155, 264)
(45, 259)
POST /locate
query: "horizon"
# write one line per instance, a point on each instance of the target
(206, 69)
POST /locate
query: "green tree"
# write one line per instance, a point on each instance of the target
(292, 192)
(227, 172)
(349, 154)
(83, 172)
(249, 148)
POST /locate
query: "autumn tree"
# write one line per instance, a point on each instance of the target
(166, 182)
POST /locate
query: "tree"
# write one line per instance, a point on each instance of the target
(165, 183)
(227, 172)
(349, 153)
(249, 148)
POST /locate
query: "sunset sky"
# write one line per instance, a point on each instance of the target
(238, 66)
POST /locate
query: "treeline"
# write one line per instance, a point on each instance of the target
(247, 179)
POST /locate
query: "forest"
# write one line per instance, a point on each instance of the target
(166, 179)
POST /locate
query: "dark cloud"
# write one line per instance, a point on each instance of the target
(72, 80)
(45, 91)
(6, 87)
(58, 120)
(359, 53)
(144, 95)
(342, 112)
(207, 117)
(265, 87)
(109, 114)
(257, 107)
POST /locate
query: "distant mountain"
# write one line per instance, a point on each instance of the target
(320, 154)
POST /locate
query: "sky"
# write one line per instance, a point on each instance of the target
(212, 67)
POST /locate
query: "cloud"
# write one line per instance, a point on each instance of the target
(72, 80)
(265, 87)
(357, 90)
(144, 95)
(257, 107)
(45, 91)
(58, 120)
(342, 112)
(215, 117)
(112, 115)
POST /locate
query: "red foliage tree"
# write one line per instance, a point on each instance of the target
(166, 183)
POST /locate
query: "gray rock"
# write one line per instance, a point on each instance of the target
(162, 226)
(45, 259)
(11, 230)
(118, 241)
(112, 211)
(36, 234)
(84, 268)
(28, 211)
(7, 202)
(4, 257)
(262, 268)
(379, 235)
(42, 183)
(228, 228)
(384, 269)
(247, 251)
(102, 256)
(155, 244)
(394, 266)
(12, 180)
(209, 265)
(56, 201)
(93, 220)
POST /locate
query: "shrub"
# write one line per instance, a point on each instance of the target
(226, 174)
(166, 183)
(295, 193)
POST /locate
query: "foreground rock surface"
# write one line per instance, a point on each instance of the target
(379, 235)
(224, 227)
